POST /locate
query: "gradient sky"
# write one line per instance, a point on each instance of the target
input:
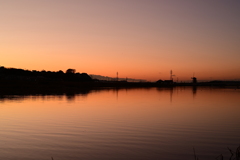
(141, 39)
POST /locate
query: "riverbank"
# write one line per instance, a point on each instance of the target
(55, 87)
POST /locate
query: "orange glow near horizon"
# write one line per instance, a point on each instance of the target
(137, 39)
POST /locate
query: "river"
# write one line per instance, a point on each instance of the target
(130, 124)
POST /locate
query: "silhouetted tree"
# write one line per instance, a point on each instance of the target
(70, 70)
(85, 77)
(23, 75)
(60, 72)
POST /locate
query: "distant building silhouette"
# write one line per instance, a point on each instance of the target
(194, 80)
(165, 81)
(168, 81)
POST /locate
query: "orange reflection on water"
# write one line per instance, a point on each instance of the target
(182, 104)
(112, 122)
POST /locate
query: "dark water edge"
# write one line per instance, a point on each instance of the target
(234, 154)
(58, 87)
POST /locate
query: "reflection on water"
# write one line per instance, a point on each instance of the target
(194, 91)
(153, 123)
(70, 96)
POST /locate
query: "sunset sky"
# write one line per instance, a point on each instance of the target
(142, 39)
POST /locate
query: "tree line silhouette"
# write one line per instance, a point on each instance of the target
(15, 79)
(15, 74)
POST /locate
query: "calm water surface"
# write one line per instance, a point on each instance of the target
(142, 124)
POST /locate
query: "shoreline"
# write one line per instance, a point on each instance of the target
(56, 87)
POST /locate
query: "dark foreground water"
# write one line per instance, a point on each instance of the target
(129, 124)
